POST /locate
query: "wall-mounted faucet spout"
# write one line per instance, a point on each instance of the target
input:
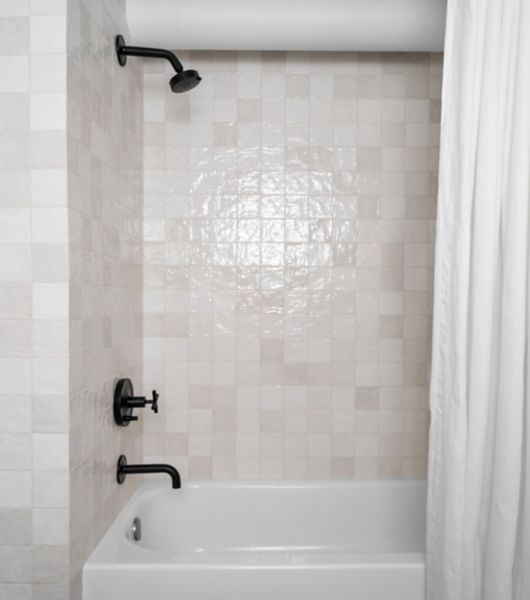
(123, 469)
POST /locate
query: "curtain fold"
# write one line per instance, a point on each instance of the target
(478, 519)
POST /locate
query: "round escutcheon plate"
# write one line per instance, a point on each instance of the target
(124, 390)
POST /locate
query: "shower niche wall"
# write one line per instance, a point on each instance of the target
(289, 212)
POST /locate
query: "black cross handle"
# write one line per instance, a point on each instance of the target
(142, 401)
(125, 402)
(154, 401)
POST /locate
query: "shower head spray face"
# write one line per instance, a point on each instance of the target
(184, 81)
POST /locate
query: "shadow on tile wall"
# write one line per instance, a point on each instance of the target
(105, 136)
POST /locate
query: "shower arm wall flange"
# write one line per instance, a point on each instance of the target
(123, 51)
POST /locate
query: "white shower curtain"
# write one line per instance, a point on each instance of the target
(478, 541)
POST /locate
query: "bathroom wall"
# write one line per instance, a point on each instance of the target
(105, 128)
(70, 285)
(33, 301)
(289, 207)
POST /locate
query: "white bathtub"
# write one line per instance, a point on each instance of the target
(257, 541)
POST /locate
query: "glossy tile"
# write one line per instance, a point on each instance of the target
(288, 243)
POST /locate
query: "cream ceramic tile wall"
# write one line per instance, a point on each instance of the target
(33, 301)
(288, 247)
(105, 219)
(70, 285)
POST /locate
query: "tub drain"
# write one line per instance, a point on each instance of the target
(135, 532)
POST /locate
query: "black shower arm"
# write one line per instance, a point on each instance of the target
(152, 53)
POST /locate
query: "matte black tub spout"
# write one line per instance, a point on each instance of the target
(123, 469)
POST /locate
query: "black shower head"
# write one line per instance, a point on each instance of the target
(183, 81)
